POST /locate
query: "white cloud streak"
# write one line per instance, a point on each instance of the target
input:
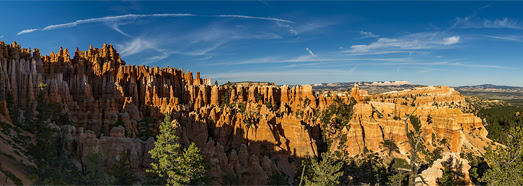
(253, 17)
(114, 19)
(205, 58)
(1, 36)
(299, 65)
(135, 46)
(313, 55)
(451, 40)
(114, 26)
(306, 59)
(472, 22)
(446, 63)
(288, 27)
(26, 31)
(110, 19)
(310, 52)
(376, 52)
(416, 41)
(368, 34)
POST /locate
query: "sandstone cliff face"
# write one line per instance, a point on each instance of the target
(382, 117)
(249, 132)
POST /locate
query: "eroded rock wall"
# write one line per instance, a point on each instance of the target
(247, 131)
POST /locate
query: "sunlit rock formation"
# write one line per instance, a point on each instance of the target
(248, 131)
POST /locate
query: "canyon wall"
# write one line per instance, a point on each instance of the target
(248, 131)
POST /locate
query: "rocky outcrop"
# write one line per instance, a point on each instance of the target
(449, 161)
(84, 142)
(382, 117)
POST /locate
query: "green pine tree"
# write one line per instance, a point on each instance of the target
(167, 152)
(277, 179)
(452, 174)
(446, 179)
(173, 167)
(399, 174)
(193, 166)
(12, 108)
(506, 164)
(121, 171)
(326, 172)
(45, 147)
(94, 171)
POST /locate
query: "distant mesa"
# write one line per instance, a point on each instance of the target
(373, 87)
(389, 83)
(254, 83)
(489, 86)
(374, 83)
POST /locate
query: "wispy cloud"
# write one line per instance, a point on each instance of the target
(264, 2)
(253, 17)
(474, 22)
(306, 59)
(416, 41)
(156, 58)
(110, 19)
(467, 65)
(26, 31)
(288, 27)
(140, 44)
(450, 40)
(203, 41)
(314, 25)
(313, 55)
(267, 60)
(205, 58)
(300, 65)
(115, 26)
(1, 36)
(376, 52)
(425, 70)
(197, 52)
(113, 19)
(368, 34)
(517, 38)
(136, 45)
(446, 63)
(310, 52)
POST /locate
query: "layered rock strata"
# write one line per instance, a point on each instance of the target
(249, 132)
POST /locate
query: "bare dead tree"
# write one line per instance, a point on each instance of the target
(302, 173)
(414, 139)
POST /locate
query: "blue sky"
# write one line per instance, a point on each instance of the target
(434, 43)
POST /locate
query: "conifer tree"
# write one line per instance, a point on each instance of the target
(193, 166)
(506, 164)
(326, 172)
(45, 146)
(121, 171)
(94, 171)
(167, 152)
(277, 179)
(173, 167)
(12, 108)
(452, 174)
